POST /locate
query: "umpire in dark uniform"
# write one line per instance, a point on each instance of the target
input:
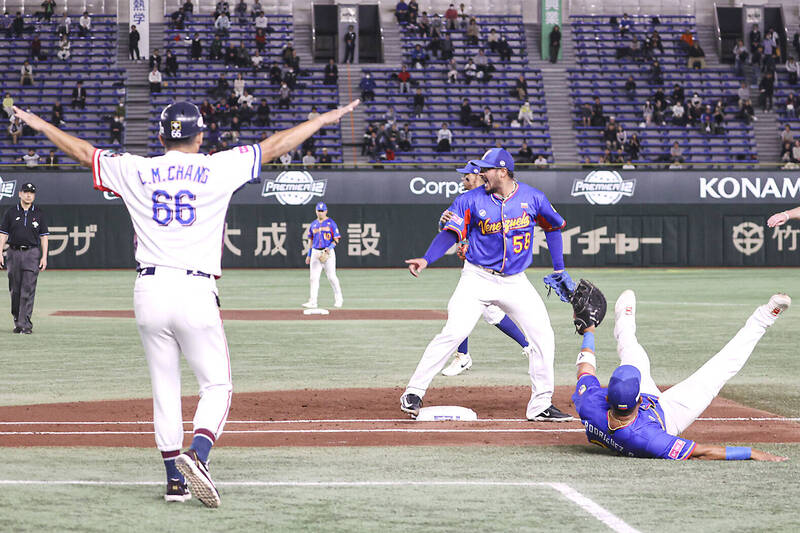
(24, 228)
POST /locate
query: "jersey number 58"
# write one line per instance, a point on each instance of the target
(521, 242)
(164, 213)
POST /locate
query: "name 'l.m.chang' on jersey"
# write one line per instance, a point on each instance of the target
(500, 232)
(178, 201)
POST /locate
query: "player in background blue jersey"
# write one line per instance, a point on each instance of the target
(498, 219)
(323, 236)
(493, 315)
(634, 418)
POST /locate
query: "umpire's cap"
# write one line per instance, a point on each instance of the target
(496, 158)
(470, 168)
(180, 120)
(623, 387)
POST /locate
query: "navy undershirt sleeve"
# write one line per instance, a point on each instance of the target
(439, 245)
(556, 247)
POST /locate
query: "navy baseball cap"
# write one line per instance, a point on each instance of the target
(470, 168)
(496, 158)
(321, 206)
(623, 387)
(28, 187)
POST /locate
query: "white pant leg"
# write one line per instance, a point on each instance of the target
(330, 272)
(202, 340)
(687, 400)
(523, 304)
(493, 315)
(463, 311)
(315, 268)
(632, 353)
(153, 309)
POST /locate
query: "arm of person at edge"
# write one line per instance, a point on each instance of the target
(44, 245)
(783, 217)
(308, 255)
(3, 239)
(701, 451)
(271, 147)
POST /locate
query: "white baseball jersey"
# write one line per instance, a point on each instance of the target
(178, 201)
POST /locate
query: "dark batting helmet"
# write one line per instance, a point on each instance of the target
(180, 120)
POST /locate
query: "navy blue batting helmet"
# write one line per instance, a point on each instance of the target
(180, 120)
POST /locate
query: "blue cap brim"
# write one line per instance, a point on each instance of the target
(483, 164)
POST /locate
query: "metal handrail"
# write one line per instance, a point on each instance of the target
(717, 33)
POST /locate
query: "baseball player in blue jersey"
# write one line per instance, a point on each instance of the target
(493, 315)
(498, 219)
(634, 418)
(323, 236)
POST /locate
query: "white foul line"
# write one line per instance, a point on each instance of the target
(590, 506)
(285, 431)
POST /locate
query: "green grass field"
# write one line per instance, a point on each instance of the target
(684, 317)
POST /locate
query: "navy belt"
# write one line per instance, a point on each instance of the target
(21, 246)
(149, 271)
(493, 272)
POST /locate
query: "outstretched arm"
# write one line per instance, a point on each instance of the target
(783, 217)
(439, 246)
(713, 452)
(586, 362)
(78, 149)
(285, 140)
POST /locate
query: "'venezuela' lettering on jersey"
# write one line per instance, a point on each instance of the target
(500, 232)
(178, 201)
(645, 436)
(323, 233)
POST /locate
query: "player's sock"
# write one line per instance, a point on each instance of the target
(508, 327)
(169, 465)
(464, 346)
(201, 443)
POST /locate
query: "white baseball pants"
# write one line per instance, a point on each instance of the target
(517, 298)
(687, 400)
(175, 313)
(329, 267)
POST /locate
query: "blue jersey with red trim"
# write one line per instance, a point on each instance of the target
(646, 436)
(323, 233)
(500, 232)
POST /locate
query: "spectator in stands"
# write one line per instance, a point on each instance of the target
(238, 85)
(290, 78)
(404, 77)
(196, 48)
(222, 7)
(18, 25)
(656, 74)
(473, 32)
(742, 94)
(647, 112)
(133, 44)
(678, 113)
(697, 57)
(633, 147)
(555, 43)
(275, 74)
(216, 51)
(525, 114)
(470, 71)
(625, 24)
(465, 113)
(31, 159)
(541, 161)
(51, 160)
(755, 38)
(222, 25)
(419, 57)
(325, 158)
(404, 138)
(26, 74)
(796, 42)
(659, 113)
(485, 68)
(787, 136)
(286, 54)
(525, 154)
(261, 39)
(390, 117)
(487, 119)
(257, 61)
(740, 56)
(660, 97)
(793, 70)
(424, 25)
(718, 127)
(155, 59)
(221, 89)
(171, 64)
(452, 71)
(262, 114)
(243, 58)
(447, 48)
(401, 12)
(85, 25)
(444, 139)
(256, 8)
(610, 134)
(230, 55)
(678, 94)
(207, 111)
(48, 9)
(349, 45)
(630, 88)
(8, 105)
(413, 11)
(331, 73)
(654, 41)
(792, 105)
(115, 131)
(676, 156)
(367, 86)
(309, 160)
(241, 11)
(261, 21)
(492, 40)
(685, 41)
(766, 89)
(57, 114)
(63, 48)
(155, 80)
(786, 155)
(770, 42)
(177, 20)
(36, 48)
(284, 96)
(520, 88)
(598, 118)
(707, 121)
(757, 61)
(294, 60)
(419, 103)
(586, 115)
(504, 49)
(451, 17)
(15, 129)
(796, 151)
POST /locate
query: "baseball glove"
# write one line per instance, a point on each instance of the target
(324, 256)
(561, 283)
(589, 305)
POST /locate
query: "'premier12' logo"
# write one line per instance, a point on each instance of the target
(7, 188)
(294, 187)
(603, 187)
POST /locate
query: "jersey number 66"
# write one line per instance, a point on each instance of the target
(164, 213)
